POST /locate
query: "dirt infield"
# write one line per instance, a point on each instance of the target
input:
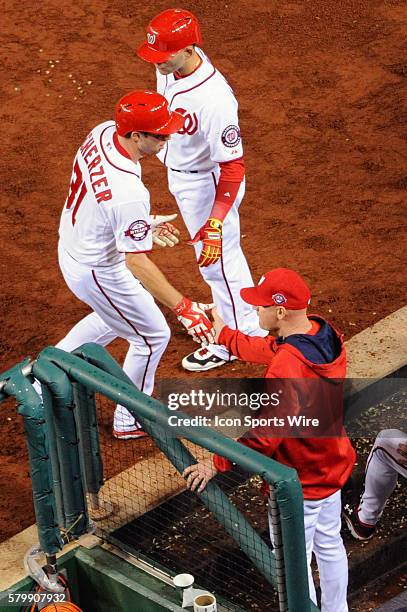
(321, 87)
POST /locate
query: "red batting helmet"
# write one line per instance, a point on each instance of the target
(146, 111)
(168, 33)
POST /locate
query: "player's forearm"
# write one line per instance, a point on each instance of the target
(247, 348)
(153, 279)
(230, 179)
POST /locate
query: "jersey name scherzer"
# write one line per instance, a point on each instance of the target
(106, 213)
(211, 131)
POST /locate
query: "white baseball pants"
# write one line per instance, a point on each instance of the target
(195, 194)
(383, 466)
(122, 308)
(322, 522)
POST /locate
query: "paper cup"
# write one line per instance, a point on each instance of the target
(183, 581)
(205, 603)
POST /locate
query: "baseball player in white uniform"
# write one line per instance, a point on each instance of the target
(205, 168)
(387, 459)
(106, 233)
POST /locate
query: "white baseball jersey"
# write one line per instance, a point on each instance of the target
(106, 213)
(211, 132)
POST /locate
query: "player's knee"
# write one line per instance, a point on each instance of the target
(330, 549)
(389, 439)
(161, 336)
(165, 335)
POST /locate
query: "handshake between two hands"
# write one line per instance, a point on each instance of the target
(194, 316)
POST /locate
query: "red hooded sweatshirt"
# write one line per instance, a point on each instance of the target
(323, 464)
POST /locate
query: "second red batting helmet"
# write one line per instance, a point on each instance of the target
(146, 111)
(168, 33)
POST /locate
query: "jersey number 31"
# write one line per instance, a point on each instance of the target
(77, 191)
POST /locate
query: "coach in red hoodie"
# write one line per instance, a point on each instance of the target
(300, 346)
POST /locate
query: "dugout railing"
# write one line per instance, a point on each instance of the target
(67, 470)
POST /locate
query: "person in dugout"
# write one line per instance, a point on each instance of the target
(300, 346)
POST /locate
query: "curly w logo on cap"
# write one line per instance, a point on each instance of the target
(279, 287)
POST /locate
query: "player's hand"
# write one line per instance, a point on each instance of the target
(164, 233)
(198, 475)
(211, 236)
(193, 318)
(218, 323)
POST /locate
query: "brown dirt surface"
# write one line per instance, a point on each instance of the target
(322, 91)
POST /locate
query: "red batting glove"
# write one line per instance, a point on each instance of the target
(211, 236)
(193, 318)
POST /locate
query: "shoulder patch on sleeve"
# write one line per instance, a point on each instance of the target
(138, 230)
(231, 136)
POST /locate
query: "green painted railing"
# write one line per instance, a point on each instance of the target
(66, 465)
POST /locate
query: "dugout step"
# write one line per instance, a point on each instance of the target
(397, 604)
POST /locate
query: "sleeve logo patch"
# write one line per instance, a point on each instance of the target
(231, 136)
(138, 230)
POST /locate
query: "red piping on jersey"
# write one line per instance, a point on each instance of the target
(186, 91)
(232, 301)
(166, 83)
(129, 323)
(178, 76)
(166, 151)
(230, 296)
(119, 147)
(194, 87)
(108, 160)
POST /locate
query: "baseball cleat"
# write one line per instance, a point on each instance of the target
(130, 434)
(359, 530)
(202, 360)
